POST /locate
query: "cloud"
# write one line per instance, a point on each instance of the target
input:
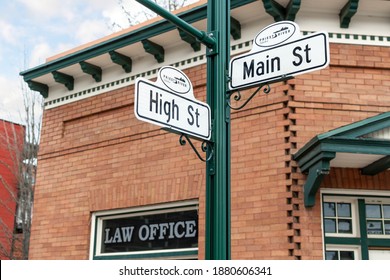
(47, 9)
(8, 32)
(92, 29)
(39, 54)
(11, 99)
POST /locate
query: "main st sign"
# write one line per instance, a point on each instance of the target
(279, 52)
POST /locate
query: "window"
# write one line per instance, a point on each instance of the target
(168, 231)
(339, 255)
(378, 219)
(337, 217)
(356, 226)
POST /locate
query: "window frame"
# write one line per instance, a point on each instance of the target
(355, 226)
(339, 248)
(366, 241)
(98, 217)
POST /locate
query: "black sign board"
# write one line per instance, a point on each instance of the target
(174, 230)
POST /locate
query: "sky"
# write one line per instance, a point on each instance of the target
(33, 30)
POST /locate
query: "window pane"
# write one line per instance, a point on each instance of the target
(344, 209)
(386, 211)
(387, 227)
(373, 211)
(345, 226)
(329, 209)
(330, 225)
(374, 227)
(331, 255)
(347, 255)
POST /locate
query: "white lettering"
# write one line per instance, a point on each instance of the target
(177, 234)
(117, 236)
(107, 240)
(171, 230)
(143, 236)
(127, 233)
(190, 229)
(153, 231)
(163, 230)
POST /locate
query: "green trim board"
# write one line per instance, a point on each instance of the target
(193, 254)
(314, 157)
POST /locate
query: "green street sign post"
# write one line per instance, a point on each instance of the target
(217, 41)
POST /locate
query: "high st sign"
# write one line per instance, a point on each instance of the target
(170, 103)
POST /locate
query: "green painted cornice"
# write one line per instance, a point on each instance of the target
(196, 14)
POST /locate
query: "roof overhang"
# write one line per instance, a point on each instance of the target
(130, 48)
(350, 146)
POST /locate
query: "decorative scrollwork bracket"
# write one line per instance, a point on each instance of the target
(264, 87)
(205, 147)
(237, 96)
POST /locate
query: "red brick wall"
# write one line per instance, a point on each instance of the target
(95, 155)
(11, 147)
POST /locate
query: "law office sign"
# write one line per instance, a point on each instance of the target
(170, 103)
(279, 51)
(177, 230)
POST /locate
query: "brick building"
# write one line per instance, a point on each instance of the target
(11, 147)
(309, 160)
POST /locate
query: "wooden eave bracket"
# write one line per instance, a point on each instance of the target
(279, 13)
(377, 167)
(195, 44)
(122, 60)
(347, 12)
(93, 70)
(154, 49)
(315, 176)
(41, 88)
(235, 28)
(66, 80)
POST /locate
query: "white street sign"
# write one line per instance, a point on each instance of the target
(279, 52)
(170, 103)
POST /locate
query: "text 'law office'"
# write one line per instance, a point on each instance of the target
(310, 153)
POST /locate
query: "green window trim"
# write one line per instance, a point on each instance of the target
(365, 242)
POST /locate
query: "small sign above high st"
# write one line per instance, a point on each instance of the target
(279, 51)
(169, 102)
